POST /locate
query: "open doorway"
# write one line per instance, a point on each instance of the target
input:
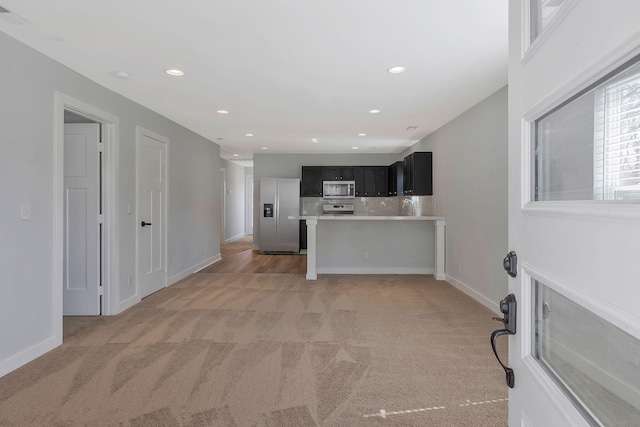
(106, 258)
(223, 205)
(248, 215)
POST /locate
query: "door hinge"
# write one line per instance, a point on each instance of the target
(100, 290)
(100, 219)
(100, 147)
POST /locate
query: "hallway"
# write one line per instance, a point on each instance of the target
(238, 257)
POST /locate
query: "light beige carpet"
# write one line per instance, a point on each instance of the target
(271, 350)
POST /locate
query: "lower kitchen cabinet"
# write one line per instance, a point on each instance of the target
(303, 234)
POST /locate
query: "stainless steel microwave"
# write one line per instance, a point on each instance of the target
(338, 189)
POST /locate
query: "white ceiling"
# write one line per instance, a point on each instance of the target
(287, 71)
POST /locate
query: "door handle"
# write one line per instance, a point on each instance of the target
(508, 307)
(145, 223)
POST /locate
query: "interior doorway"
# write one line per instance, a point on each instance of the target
(223, 205)
(107, 248)
(248, 205)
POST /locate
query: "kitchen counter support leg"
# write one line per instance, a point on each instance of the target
(440, 230)
(311, 249)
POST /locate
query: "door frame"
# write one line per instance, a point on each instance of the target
(248, 204)
(223, 208)
(140, 133)
(110, 254)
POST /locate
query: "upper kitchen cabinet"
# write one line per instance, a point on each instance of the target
(338, 173)
(374, 182)
(396, 178)
(418, 174)
(311, 181)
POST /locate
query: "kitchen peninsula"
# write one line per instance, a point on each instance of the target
(372, 244)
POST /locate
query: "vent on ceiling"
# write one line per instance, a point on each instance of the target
(238, 159)
(12, 17)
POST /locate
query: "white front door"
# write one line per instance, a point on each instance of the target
(574, 216)
(151, 218)
(81, 268)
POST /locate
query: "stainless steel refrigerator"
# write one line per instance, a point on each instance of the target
(279, 199)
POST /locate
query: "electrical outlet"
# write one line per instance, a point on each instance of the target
(459, 267)
(201, 251)
(130, 281)
(366, 254)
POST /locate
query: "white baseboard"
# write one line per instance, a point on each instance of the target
(491, 305)
(128, 303)
(374, 270)
(189, 271)
(234, 238)
(26, 356)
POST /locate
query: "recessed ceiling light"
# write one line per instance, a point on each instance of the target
(222, 112)
(121, 75)
(314, 140)
(362, 134)
(248, 134)
(374, 111)
(354, 148)
(372, 148)
(175, 73)
(264, 148)
(236, 155)
(397, 70)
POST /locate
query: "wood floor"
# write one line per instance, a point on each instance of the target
(251, 261)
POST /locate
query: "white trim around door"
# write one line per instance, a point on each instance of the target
(110, 132)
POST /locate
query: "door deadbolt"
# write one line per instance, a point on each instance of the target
(145, 223)
(510, 264)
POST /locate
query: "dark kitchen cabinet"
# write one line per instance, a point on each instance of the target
(311, 181)
(418, 174)
(358, 177)
(381, 179)
(374, 181)
(338, 173)
(396, 178)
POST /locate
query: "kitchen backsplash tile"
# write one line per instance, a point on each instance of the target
(382, 206)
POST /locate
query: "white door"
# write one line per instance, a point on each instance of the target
(574, 217)
(81, 269)
(151, 202)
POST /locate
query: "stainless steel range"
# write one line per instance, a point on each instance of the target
(329, 209)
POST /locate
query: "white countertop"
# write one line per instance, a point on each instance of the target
(347, 217)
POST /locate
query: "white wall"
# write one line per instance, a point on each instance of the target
(470, 189)
(235, 200)
(28, 81)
